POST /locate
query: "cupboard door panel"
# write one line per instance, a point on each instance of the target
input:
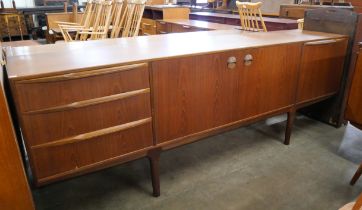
(354, 104)
(269, 82)
(194, 94)
(321, 69)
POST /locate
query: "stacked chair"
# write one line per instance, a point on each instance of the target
(104, 19)
(250, 16)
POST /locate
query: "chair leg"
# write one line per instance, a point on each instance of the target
(356, 175)
(154, 158)
(288, 129)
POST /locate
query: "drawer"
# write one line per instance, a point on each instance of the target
(178, 28)
(69, 158)
(148, 26)
(162, 27)
(59, 123)
(52, 91)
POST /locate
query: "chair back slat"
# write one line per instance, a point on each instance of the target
(132, 17)
(251, 18)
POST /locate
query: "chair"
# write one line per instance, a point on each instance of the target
(96, 26)
(250, 16)
(84, 22)
(300, 24)
(132, 17)
(117, 18)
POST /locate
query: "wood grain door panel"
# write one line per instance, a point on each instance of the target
(269, 83)
(40, 93)
(321, 69)
(194, 94)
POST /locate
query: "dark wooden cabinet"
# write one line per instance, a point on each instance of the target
(157, 93)
(321, 69)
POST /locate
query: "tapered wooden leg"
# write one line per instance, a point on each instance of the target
(154, 158)
(288, 129)
(356, 175)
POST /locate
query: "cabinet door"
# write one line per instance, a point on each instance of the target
(354, 104)
(195, 95)
(321, 69)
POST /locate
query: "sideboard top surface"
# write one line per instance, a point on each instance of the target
(34, 61)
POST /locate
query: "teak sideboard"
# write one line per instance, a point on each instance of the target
(86, 106)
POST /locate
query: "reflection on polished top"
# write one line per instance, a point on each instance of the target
(27, 62)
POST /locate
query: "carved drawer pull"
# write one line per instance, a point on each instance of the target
(85, 74)
(248, 60)
(147, 25)
(322, 42)
(231, 62)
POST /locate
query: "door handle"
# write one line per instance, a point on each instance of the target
(231, 62)
(248, 60)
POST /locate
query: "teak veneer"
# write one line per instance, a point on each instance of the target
(129, 98)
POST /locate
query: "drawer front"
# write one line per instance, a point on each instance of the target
(71, 121)
(42, 93)
(148, 26)
(321, 69)
(56, 160)
(162, 27)
(177, 28)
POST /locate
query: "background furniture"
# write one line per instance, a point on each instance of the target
(177, 26)
(250, 16)
(14, 189)
(296, 11)
(272, 24)
(342, 22)
(159, 12)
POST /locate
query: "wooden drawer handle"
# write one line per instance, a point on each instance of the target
(89, 102)
(147, 25)
(323, 42)
(84, 74)
(93, 134)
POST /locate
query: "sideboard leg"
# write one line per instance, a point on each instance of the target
(154, 158)
(288, 130)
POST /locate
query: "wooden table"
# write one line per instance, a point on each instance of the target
(272, 24)
(128, 98)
